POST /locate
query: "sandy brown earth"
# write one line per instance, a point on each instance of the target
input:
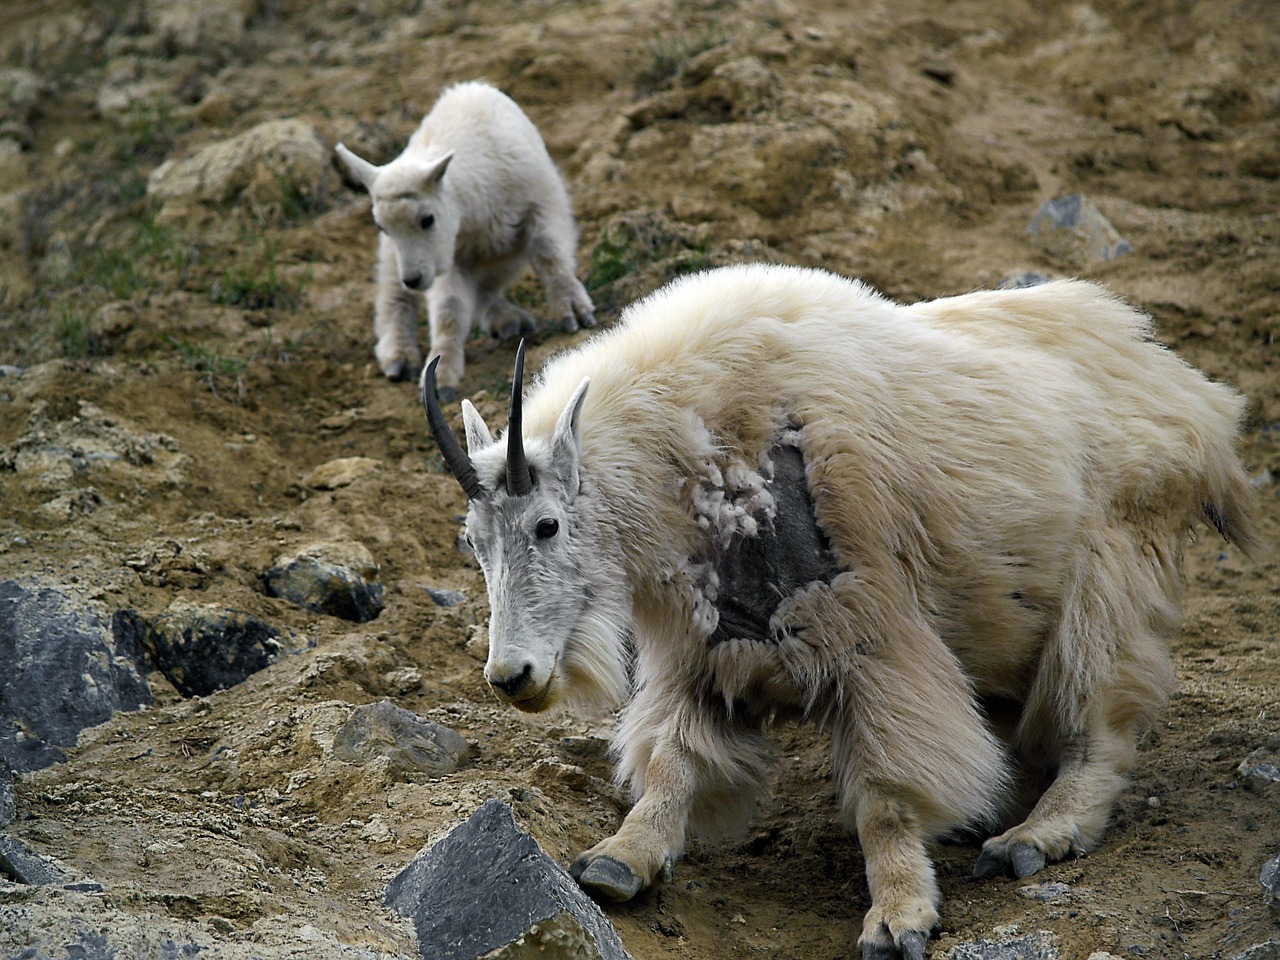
(216, 350)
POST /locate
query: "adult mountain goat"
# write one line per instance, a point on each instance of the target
(949, 532)
(470, 204)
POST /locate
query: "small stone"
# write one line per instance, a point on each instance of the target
(22, 866)
(341, 473)
(1270, 880)
(411, 744)
(1027, 278)
(446, 598)
(487, 889)
(83, 886)
(1073, 229)
(1260, 770)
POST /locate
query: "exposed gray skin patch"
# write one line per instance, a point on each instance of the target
(757, 573)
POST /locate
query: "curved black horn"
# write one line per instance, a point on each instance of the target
(519, 481)
(457, 459)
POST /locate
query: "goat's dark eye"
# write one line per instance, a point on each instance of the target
(427, 220)
(546, 529)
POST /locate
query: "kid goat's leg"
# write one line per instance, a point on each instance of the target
(395, 318)
(551, 253)
(451, 304)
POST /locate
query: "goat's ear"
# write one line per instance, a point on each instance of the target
(566, 442)
(435, 172)
(361, 169)
(478, 435)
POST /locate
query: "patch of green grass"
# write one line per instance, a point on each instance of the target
(296, 200)
(145, 133)
(611, 260)
(71, 332)
(669, 55)
(691, 261)
(202, 360)
(259, 284)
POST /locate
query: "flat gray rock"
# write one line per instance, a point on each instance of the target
(21, 865)
(412, 744)
(488, 890)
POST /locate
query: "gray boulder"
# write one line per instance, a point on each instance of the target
(411, 744)
(200, 649)
(8, 801)
(271, 168)
(488, 890)
(65, 670)
(337, 578)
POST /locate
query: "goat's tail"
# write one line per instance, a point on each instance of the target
(1228, 503)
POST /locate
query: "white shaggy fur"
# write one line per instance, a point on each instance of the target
(472, 201)
(1005, 479)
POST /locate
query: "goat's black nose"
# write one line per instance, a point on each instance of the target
(513, 684)
(413, 282)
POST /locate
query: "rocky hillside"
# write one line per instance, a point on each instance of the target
(241, 641)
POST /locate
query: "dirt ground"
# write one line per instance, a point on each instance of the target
(907, 143)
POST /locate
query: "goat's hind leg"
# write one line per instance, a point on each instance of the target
(551, 252)
(1103, 676)
(1072, 814)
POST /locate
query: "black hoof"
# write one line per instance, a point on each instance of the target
(911, 946)
(608, 877)
(1022, 858)
(990, 863)
(1026, 859)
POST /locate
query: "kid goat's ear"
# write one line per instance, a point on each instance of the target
(435, 170)
(566, 441)
(362, 170)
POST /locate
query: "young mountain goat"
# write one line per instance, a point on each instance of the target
(464, 238)
(949, 532)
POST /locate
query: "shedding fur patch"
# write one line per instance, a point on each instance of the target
(766, 546)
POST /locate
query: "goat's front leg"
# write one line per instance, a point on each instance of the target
(651, 836)
(904, 892)
(451, 305)
(396, 310)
